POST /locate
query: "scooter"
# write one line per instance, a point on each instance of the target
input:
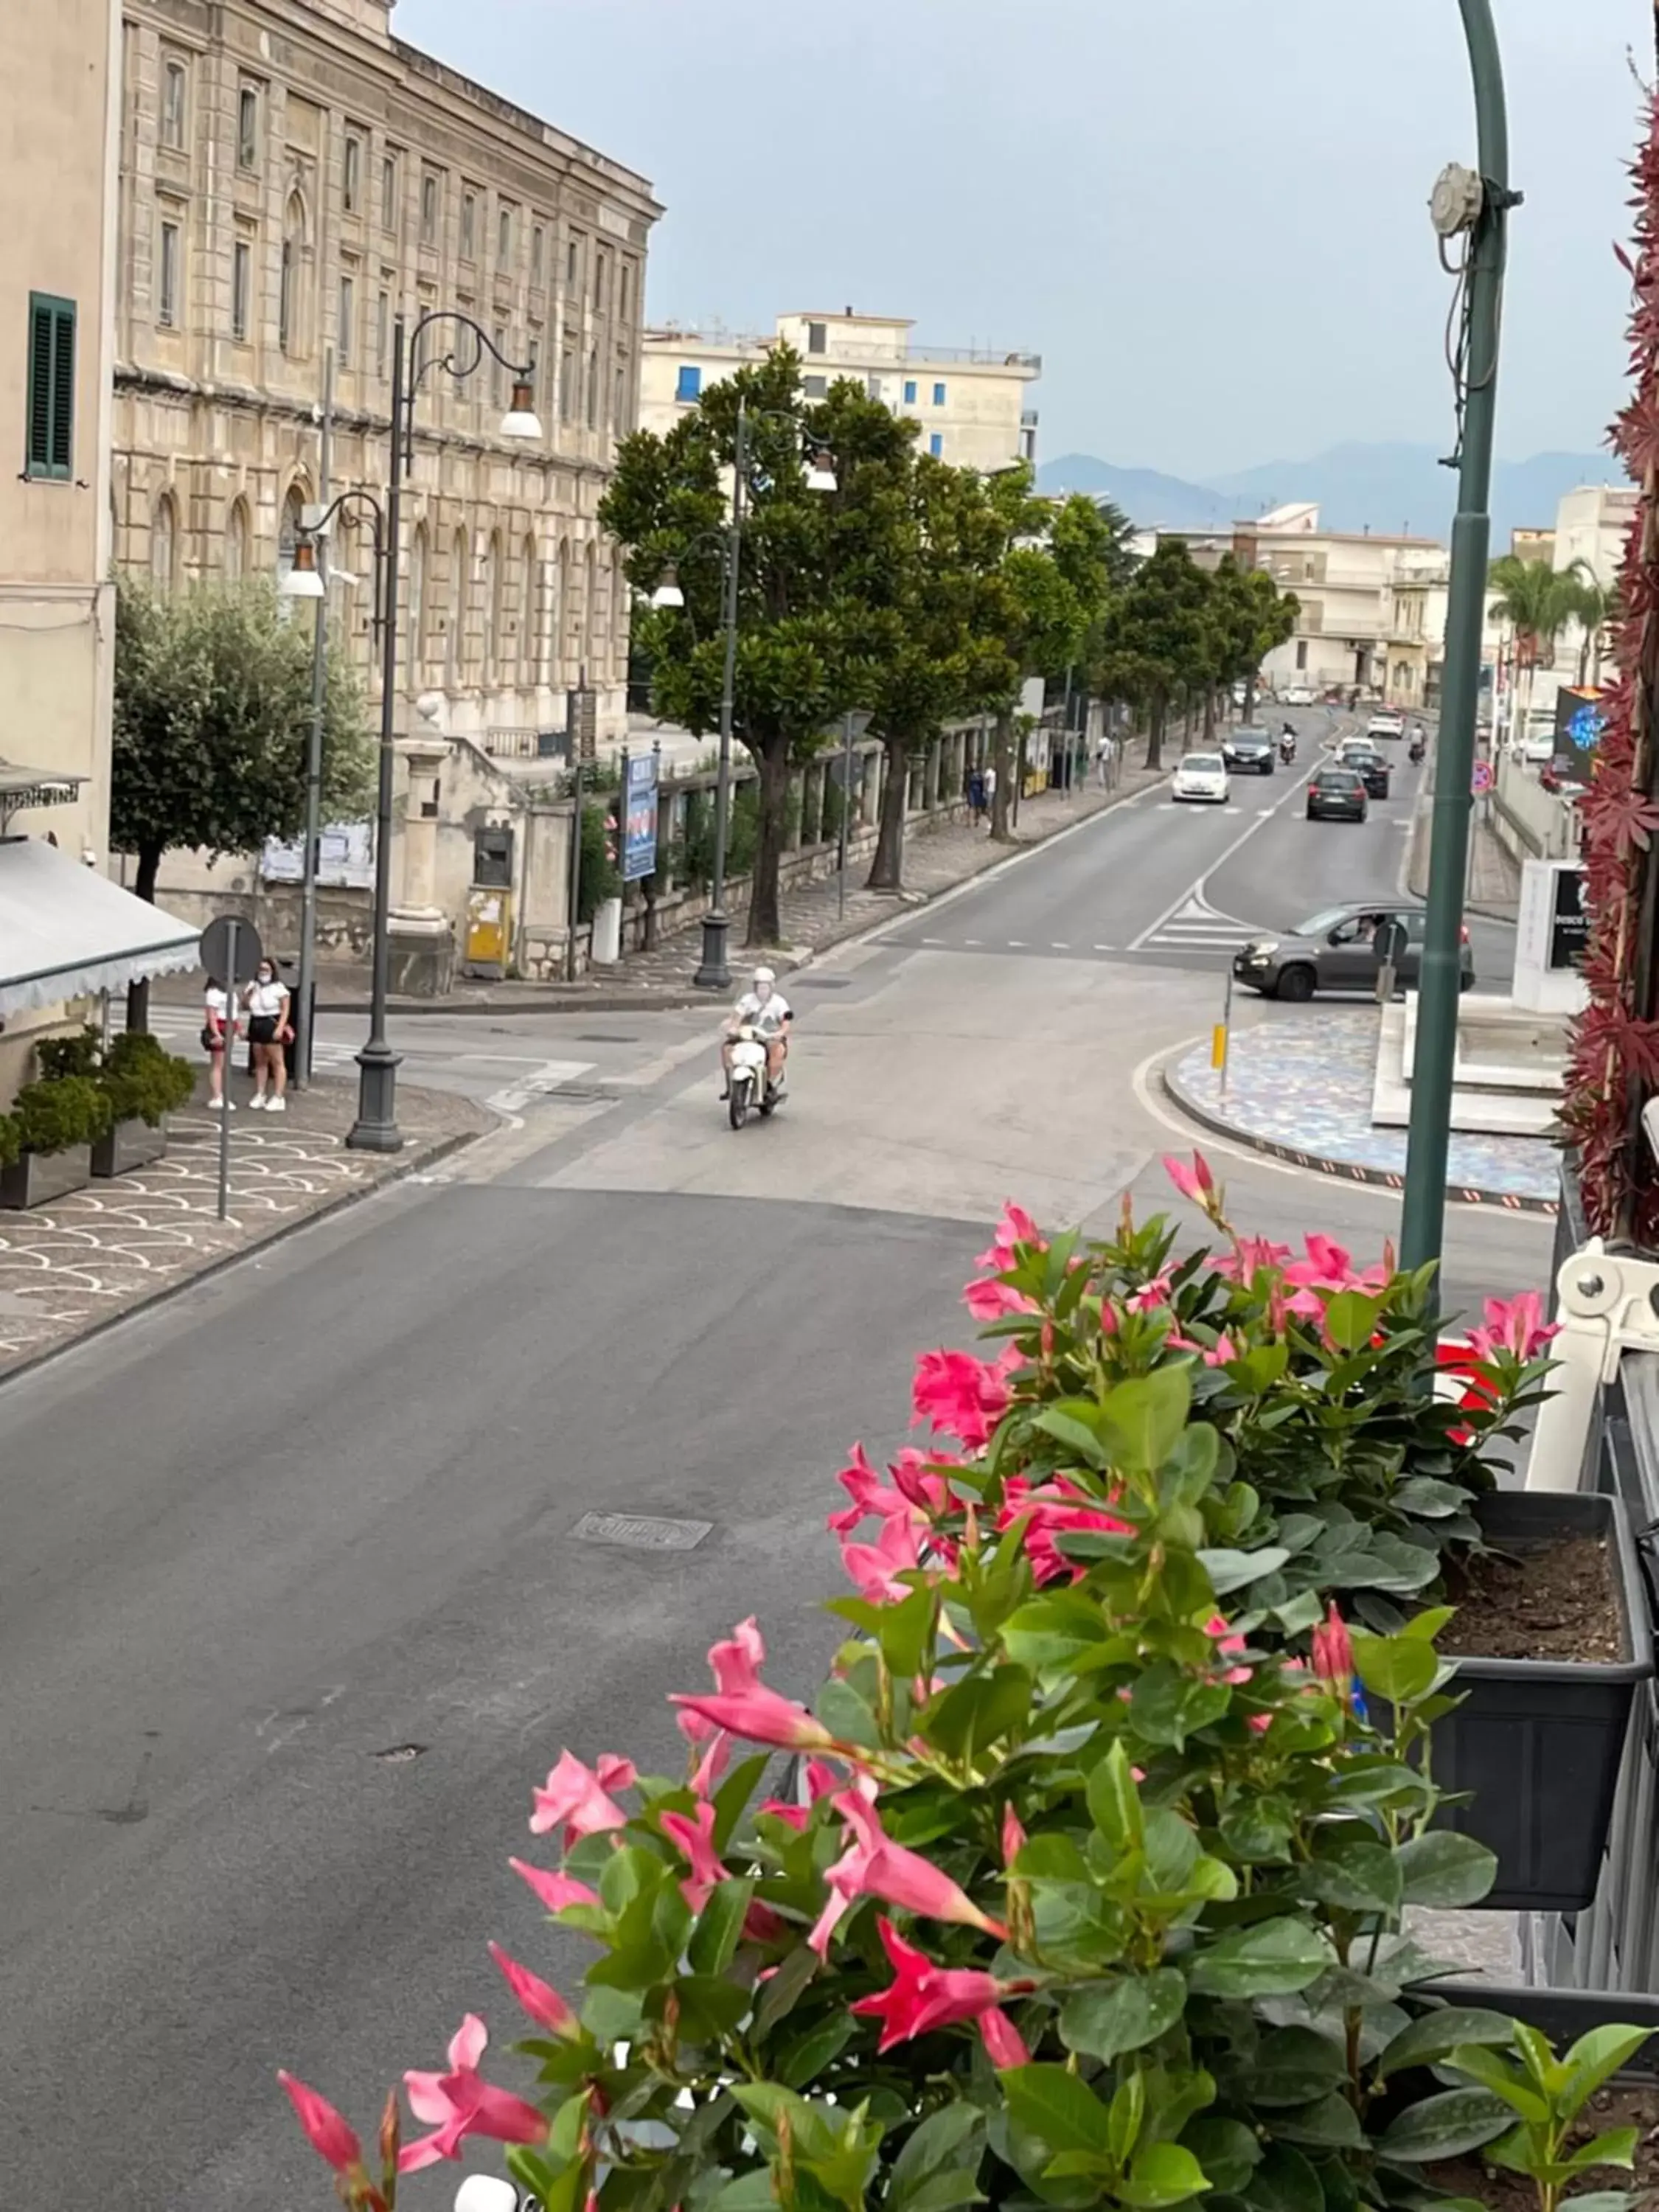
(483, 2192)
(1416, 750)
(747, 1079)
(1287, 749)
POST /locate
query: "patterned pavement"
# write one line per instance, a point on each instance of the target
(68, 1267)
(1299, 1087)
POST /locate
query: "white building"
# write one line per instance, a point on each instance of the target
(970, 403)
(1366, 619)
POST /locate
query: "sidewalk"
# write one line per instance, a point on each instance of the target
(1494, 883)
(935, 861)
(69, 1269)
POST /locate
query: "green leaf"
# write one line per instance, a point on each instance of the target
(733, 1796)
(1301, 1614)
(1167, 1705)
(1275, 1958)
(1435, 1501)
(1067, 1428)
(715, 1940)
(1329, 2124)
(1231, 1571)
(1258, 1828)
(1503, 2079)
(746, 2192)
(1056, 1631)
(1596, 2056)
(1103, 2023)
(1140, 1419)
(1057, 2108)
(558, 2189)
(1355, 1877)
(1436, 2034)
(1351, 1319)
(1284, 2182)
(805, 2058)
(1400, 1668)
(1444, 1869)
(943, 2192)
(847, 1715)
(1162, 2174)
(951, 2138)
(1114, 1803)
(1445, 2126)
(1617, 2147)
(1606, 2200)
(1293, 2066)
(977, 1711)
(1228, 2151)
(783, 1989)
(1125, 2115)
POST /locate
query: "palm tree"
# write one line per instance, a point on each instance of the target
(1594, 608)
(1537, 602)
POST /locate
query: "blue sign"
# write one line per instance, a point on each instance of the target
(638, 806)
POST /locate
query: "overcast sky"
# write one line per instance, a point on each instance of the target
(1207, 216)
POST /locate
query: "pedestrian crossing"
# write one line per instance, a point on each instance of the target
(1197, 926)
(180, 1028)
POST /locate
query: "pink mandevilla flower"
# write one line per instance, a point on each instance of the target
(1052, 1509)
(1333, 1649)
(556, 1891)
(963, 1396)
(1328, 1267)
(1015, 1228)
(874, 1569)
(923, 1997)
(988, 1300)
(1003, 2044)
(1013, 1835)
(742, 1702)
(1515, 1325)
(329, 2136)
(460, 2103)
(1227, 1640)
(875, 1866)
(1195, 1183)
(575, 1799)
(1249, 1257)
(695, 1838)
(540, 2000)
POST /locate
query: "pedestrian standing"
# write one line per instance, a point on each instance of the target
(217, 1024)
(976, 795)
(991, 793)
(267, 1003)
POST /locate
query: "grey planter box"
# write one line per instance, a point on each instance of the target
(39, 1178)
(129, 1144)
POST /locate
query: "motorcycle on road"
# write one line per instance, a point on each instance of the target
(748, 1080)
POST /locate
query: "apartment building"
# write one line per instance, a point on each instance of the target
(969, 404)
(293, 179)
(1366, 619)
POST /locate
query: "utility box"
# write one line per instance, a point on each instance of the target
(488, 947)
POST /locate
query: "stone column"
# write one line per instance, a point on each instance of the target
(870, 788)
(423, 936)
(930, 775)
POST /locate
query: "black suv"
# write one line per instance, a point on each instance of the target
(1373, 771)
(1249, 751)
(1337, 794)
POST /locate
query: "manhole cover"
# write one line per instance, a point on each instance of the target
(641, 1532)
(583, 1094)
(822, 982)
(603, 1036)
(399, 1755)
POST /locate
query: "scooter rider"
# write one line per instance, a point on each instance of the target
(762, 1007)
(1287, 743)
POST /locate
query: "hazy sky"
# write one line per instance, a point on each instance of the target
(1207, 216)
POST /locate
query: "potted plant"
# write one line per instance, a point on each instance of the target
(144, 1083)
(1090, 1894)
(57, 1120)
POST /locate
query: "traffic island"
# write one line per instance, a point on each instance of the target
(76, 1265)
(1300, 1090)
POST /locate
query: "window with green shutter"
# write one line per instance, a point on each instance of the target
(51, 429)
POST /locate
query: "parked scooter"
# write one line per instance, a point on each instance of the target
(748, 1080)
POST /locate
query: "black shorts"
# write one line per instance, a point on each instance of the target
(262, 1030)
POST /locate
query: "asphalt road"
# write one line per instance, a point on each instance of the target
(293, 1611)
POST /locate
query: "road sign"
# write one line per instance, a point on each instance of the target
(582, 722)
(639, 813)
(1482, 783)
(216, 956)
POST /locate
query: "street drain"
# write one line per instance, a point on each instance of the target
(602, 1036)
(822, 982)
(641, 1532)
(399, 1755)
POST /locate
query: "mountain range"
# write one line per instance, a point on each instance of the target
(1357, 486)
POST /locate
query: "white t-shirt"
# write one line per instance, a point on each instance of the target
(265, 1000)
(767, 1018)
(216, 1004)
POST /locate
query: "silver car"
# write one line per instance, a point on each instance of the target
(1337, 950)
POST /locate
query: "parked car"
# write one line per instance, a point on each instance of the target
(1387, 725)
(1336, 951)
(1250, 751)
(1299, 695)
(1337, 794)
(1200, 776)
(1375, 773)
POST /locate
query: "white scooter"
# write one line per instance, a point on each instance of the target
(747, 1078)
(483, 2192)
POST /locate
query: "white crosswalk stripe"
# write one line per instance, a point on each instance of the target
(1197, 926)
(180, 1028)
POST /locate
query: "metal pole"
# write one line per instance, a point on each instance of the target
(1423, 1217)
(303, 1039)
(713, 972)
(846, 804)
(575, 917)
(375, 1129)
(230, 1055)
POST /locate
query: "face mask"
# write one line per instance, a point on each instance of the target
(762, 992)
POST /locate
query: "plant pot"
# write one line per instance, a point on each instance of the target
(129, 1144)
(1562, 2015)
(39, 1178)
(1539, 1742)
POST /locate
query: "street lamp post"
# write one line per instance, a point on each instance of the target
(1478, 207)
(375, 1129)
(713, 971)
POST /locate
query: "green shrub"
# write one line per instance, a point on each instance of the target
(10, 1143)
(601, 878)
(60, 1112)
(143, 1081)
(68, 1055)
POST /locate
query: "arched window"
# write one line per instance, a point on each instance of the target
(491, 594)
(290, 335)
(593, 630)
(164, 543)
(564, 643)
(460, 562)
(417, 605)
(236, 537)
(288, 536)
(529, 640)
(618, 610)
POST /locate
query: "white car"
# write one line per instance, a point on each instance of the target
(1299, 695)
(1201, 776)
(1386, 726)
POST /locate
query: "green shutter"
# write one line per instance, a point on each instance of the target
(51, 413)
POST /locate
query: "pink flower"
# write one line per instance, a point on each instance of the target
(1329, 1266)
(329, 2136)
(695, 1839)
(460, 2103)
(796, 1816)
(1227, 1641)
(987, 1299)
(760, 1925)
(743, 1704)
(1515, 1325)
(924, 1996)
(964, 1396)
(612, 1772)
(1015, 1228)
(869, 1495)
(574, 1798)
(1248, 1258)
(920, 1477)
(556, 1891)
(1333, 1650)
(873, 1569)
(1013, 1835)
(1194, 1183)
(540, 2000)
(1150, 1295)
(875, 1866)
(1051, 1510)
(821, 1780)
(1003, 2044)
(716, 1758)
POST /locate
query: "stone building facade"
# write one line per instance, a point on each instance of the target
(292, 178)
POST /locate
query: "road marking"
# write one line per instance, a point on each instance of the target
(973, 941)
(1059, 948)
(549, 1076)
(1264, 811)
(1105, 948)
(1196, 890)
(1017, 944)
(932, 940)
(1198, 928)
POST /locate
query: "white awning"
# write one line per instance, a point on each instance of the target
(68, 933)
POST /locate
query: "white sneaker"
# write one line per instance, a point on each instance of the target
(257, 1102)
(215, 1105)
(275, 1105)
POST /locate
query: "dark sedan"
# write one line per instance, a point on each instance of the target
(1337, 794)
(1338, 950)
(1249, 751)
(1373, 771)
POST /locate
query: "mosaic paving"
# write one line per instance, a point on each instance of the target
(1300, 1088)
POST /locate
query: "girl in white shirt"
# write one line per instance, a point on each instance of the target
(266, 1000)
(215, 1019)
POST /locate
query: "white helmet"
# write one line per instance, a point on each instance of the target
(765, 976)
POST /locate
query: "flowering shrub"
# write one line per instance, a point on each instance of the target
(1089, 1885)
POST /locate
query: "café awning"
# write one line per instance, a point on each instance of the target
(68, 933)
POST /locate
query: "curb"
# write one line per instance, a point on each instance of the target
(1338, 1171)
(443, 1149)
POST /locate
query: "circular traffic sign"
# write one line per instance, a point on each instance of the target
(1482, 778)
(215, 954)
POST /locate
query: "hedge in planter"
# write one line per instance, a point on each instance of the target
(1092, 1891)
(57, 1120)
(144, 1083)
